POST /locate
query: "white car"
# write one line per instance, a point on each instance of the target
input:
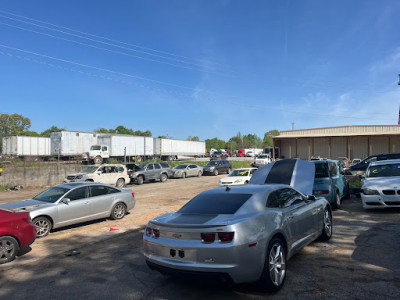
(262, 160)
(111, 174)
(237, 177)
(381, 186)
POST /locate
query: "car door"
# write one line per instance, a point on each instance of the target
(150, 172)
(100, 201)
(157, 171)
(76, 210)
(299, 216)
(336, 182)
(191, 170)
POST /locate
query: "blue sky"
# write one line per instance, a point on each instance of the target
(200, 68)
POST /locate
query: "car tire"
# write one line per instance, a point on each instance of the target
(10, 248)
(118, 211)
(199, 174)
(120, 183)
(43, 226)
(274, 273)
(347, 193)
(326, 233)
(89, 180)
(183, 175)
(337, 200)
(246, 182)
(163, 177)
(215, 172)
(98, 160)
(139, 180)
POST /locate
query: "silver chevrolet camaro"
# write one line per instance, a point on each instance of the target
(243, 233)
(72, 203)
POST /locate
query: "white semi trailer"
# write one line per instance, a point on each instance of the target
(141, 148)
(23, 146)
(119, 146)
(71, 143)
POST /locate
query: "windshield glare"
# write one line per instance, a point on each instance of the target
(388, 170)
(239, 173)
(88, 170)
(51, 195)
(95, 148)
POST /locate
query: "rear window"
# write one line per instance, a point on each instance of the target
(321, 170)
(214, 204)
(165, 165)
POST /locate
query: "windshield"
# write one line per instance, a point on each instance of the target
(212, 163)
(239, 173)
(95, 148)
(52, 194)
(214, 204)
(388, 170)
(181, 167)
(143, 166)
(88, 170)
(263, 156)
(321, 170)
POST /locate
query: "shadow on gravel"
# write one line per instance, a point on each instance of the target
(379, 246)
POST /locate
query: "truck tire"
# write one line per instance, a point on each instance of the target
(163, 177)
(120, 183)
(140, 180)
(98, 160)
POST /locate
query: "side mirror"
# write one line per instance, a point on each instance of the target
(311, 197)
(65, 200)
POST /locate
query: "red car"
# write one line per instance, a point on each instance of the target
(16, 232)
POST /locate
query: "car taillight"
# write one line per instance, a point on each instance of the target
(149, 231)
(156, 233)
(225, 237)
(321, 192)
(207, 237)
(133, 194)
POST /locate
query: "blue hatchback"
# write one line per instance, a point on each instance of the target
(330, 181)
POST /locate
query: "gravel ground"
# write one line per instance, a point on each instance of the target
(360, 261)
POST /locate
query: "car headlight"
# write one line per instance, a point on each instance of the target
(370, 192)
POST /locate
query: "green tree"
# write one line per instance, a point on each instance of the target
(193, 138)
(11, 125)
(29, 133)
(53, 128)
(268, 137)
(215, 143)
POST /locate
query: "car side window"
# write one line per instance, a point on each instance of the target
(111, 190)
(333, 169)
(157, 166)
(284, 198)
(79, 193)
(150, 167)
(120, 169)
(98, 190)
(164, 165)
(104, 148)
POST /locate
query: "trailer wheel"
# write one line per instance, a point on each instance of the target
(98, 160)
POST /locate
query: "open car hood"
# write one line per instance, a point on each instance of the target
(297, 173)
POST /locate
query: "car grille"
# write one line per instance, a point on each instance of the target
(373, 203)
(389, 192)
(226, 182)
(392, 203)
(70, 177)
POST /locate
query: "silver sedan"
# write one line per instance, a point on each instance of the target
(72, 203)
(186, 170)
(244, 233)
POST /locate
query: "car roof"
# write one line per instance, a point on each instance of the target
(385, 162)
(72, 185)
(323, 161)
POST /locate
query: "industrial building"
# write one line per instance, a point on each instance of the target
(357, 141)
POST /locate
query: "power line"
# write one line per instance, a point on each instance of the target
(97, 47)
(269, 109)
(102, 37)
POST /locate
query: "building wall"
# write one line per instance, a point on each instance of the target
(334, 147)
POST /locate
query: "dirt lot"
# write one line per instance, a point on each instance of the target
(360, 261)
